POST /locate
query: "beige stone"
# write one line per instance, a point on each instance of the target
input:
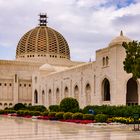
(46, 80)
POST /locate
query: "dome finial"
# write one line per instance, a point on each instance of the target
(121, 33)
(43, 19)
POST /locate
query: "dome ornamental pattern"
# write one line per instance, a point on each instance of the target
(42, 41)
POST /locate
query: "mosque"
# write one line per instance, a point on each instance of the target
(43, 74)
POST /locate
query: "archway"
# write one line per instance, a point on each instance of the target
(43, 96)
(57, 96)
(132, 92)
(106, 90)
(66, 92)
(76, 92)
(88, 94)
(50, 97)
(35, 97)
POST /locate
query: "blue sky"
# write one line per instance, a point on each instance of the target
(87, 25)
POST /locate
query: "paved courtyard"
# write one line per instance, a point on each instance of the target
(27, 129)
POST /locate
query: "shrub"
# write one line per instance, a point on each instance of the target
(54, 108)
(59, 115)
(69, 105)
(19, 106)
(88, 117)
(9, 111)
(77, 116)
(40, 108)
(122, 120)
(35, 113)
(51, 114)
(27, 112)
(1, 112)
(67, 115)
(101, 118)
(45, 113)
(21, 112)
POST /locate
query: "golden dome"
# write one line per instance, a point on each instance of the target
(119, 40)
(42, 41)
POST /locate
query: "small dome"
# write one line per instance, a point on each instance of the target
(42, 41)
(119, 40)
(47, 67)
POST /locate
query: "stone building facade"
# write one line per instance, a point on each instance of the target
(44, 74)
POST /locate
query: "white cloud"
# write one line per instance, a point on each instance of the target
(86, 24)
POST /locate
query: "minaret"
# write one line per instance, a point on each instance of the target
(43, 19)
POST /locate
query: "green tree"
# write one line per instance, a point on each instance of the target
(132, 60)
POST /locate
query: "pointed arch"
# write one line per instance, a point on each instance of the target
(106, 90)
(103, 61)
(57, 96)
(50, 97)
(88, 94)
(43, 96)
(35, 97)
(76, 92)
(66, 92)
(132, 92)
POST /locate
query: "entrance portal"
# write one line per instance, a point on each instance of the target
(132, 92)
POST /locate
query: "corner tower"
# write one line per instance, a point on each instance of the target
(42, 43)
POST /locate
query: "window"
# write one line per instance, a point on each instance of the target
(76, 92)
(15, 78)
(106, 89)
(36, 97)
(88, 94)
(35, 79)
(66, 92)
(57, 96)
(105, 61)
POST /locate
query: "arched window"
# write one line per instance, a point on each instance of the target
(36, 79)
(76, 92)
(132, 92)
(57, 96)
(103, 61)
(15, 78)
(106, 90)
(107, 60)
(35, 97)
(43, 93)
(10, 104)
(66, 92)
(50, 96)
(88, 94)
(5, 104)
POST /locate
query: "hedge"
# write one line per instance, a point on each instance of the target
(59, 115)
(113, 111)
(88, 117)
(67, 115)
(77, 116)
(101, 118)
(54, 108)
